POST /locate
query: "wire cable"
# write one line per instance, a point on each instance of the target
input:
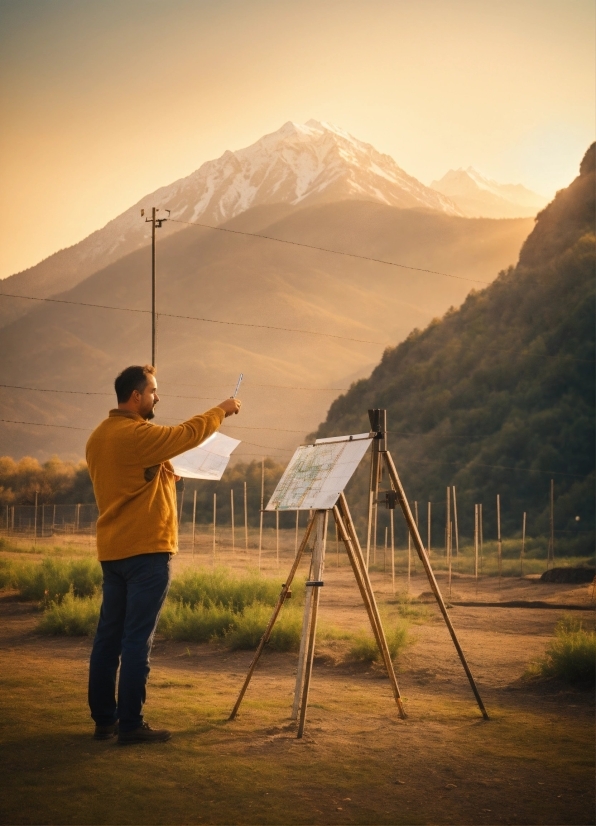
(325, 249)
(200, 318)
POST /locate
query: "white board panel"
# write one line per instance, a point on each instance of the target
(208, 460)
(318, 473)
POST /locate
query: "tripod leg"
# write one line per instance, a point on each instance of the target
(348, 534)
(304, 635)
(276, 610)
(305, 668)
(309, 659)
(411, 523)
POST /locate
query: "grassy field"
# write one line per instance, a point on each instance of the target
(533, 762)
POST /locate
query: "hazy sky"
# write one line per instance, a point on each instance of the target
(103, 101)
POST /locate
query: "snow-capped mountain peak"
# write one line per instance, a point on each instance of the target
(479, 196)
(299, 165)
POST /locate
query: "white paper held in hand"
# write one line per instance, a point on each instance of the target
(318, 473)
(208, 460)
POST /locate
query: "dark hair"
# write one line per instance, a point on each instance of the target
(133, 378)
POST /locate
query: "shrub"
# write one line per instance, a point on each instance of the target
(570, 656)
(72, 616)
(364, 646)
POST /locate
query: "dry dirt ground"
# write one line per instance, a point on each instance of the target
(532, 763)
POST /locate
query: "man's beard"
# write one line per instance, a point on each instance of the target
(150, 414)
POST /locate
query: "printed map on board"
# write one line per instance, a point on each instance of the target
(318, 473)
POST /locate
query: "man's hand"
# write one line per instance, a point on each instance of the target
(230, 406)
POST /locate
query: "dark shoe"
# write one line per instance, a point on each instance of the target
(143, 734)
(105, 732)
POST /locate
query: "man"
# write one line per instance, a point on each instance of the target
(137, 534)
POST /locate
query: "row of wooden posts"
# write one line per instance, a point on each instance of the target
(451, 534)
(40, 524)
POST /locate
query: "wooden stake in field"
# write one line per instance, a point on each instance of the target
(481, 536)
(551, 539)
(523, 546)
(476, 530)
(297, 520)
(409, 559)
(214, 523)
(194, 520)
(428, 523)
(456, 529)
(261, 511)
(449, 554)
(499, 547)
(384, 549)
(77, 517)
(232, 520)
(336, 541)
(35, 523)
(447, 520)
(277, 536)
(245, 521)
(392, 551)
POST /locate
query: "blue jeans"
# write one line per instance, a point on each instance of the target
(134, 590)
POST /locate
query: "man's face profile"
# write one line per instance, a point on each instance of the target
(148, 398)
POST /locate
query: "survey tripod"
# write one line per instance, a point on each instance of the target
(317, 529)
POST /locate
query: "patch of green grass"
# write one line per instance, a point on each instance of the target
(196, 623)
(72, 616)
(414, 612)
(364, 646)
(51, 580)
(221, 587)
(249, 626)
(570, 656)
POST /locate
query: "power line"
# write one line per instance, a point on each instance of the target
(332, 252)
(199, 318)
(251, 384)
(93, 392)
(471, 466)
(41, 424)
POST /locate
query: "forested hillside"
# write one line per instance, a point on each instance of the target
(498, 395)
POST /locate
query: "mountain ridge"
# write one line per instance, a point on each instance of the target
(497, 396)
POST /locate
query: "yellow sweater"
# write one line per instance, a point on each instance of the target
(134, 482)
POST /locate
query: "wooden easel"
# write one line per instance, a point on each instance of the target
(347, 533)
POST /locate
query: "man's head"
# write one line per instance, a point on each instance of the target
(136, 390)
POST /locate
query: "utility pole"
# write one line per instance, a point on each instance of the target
(155, 224)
